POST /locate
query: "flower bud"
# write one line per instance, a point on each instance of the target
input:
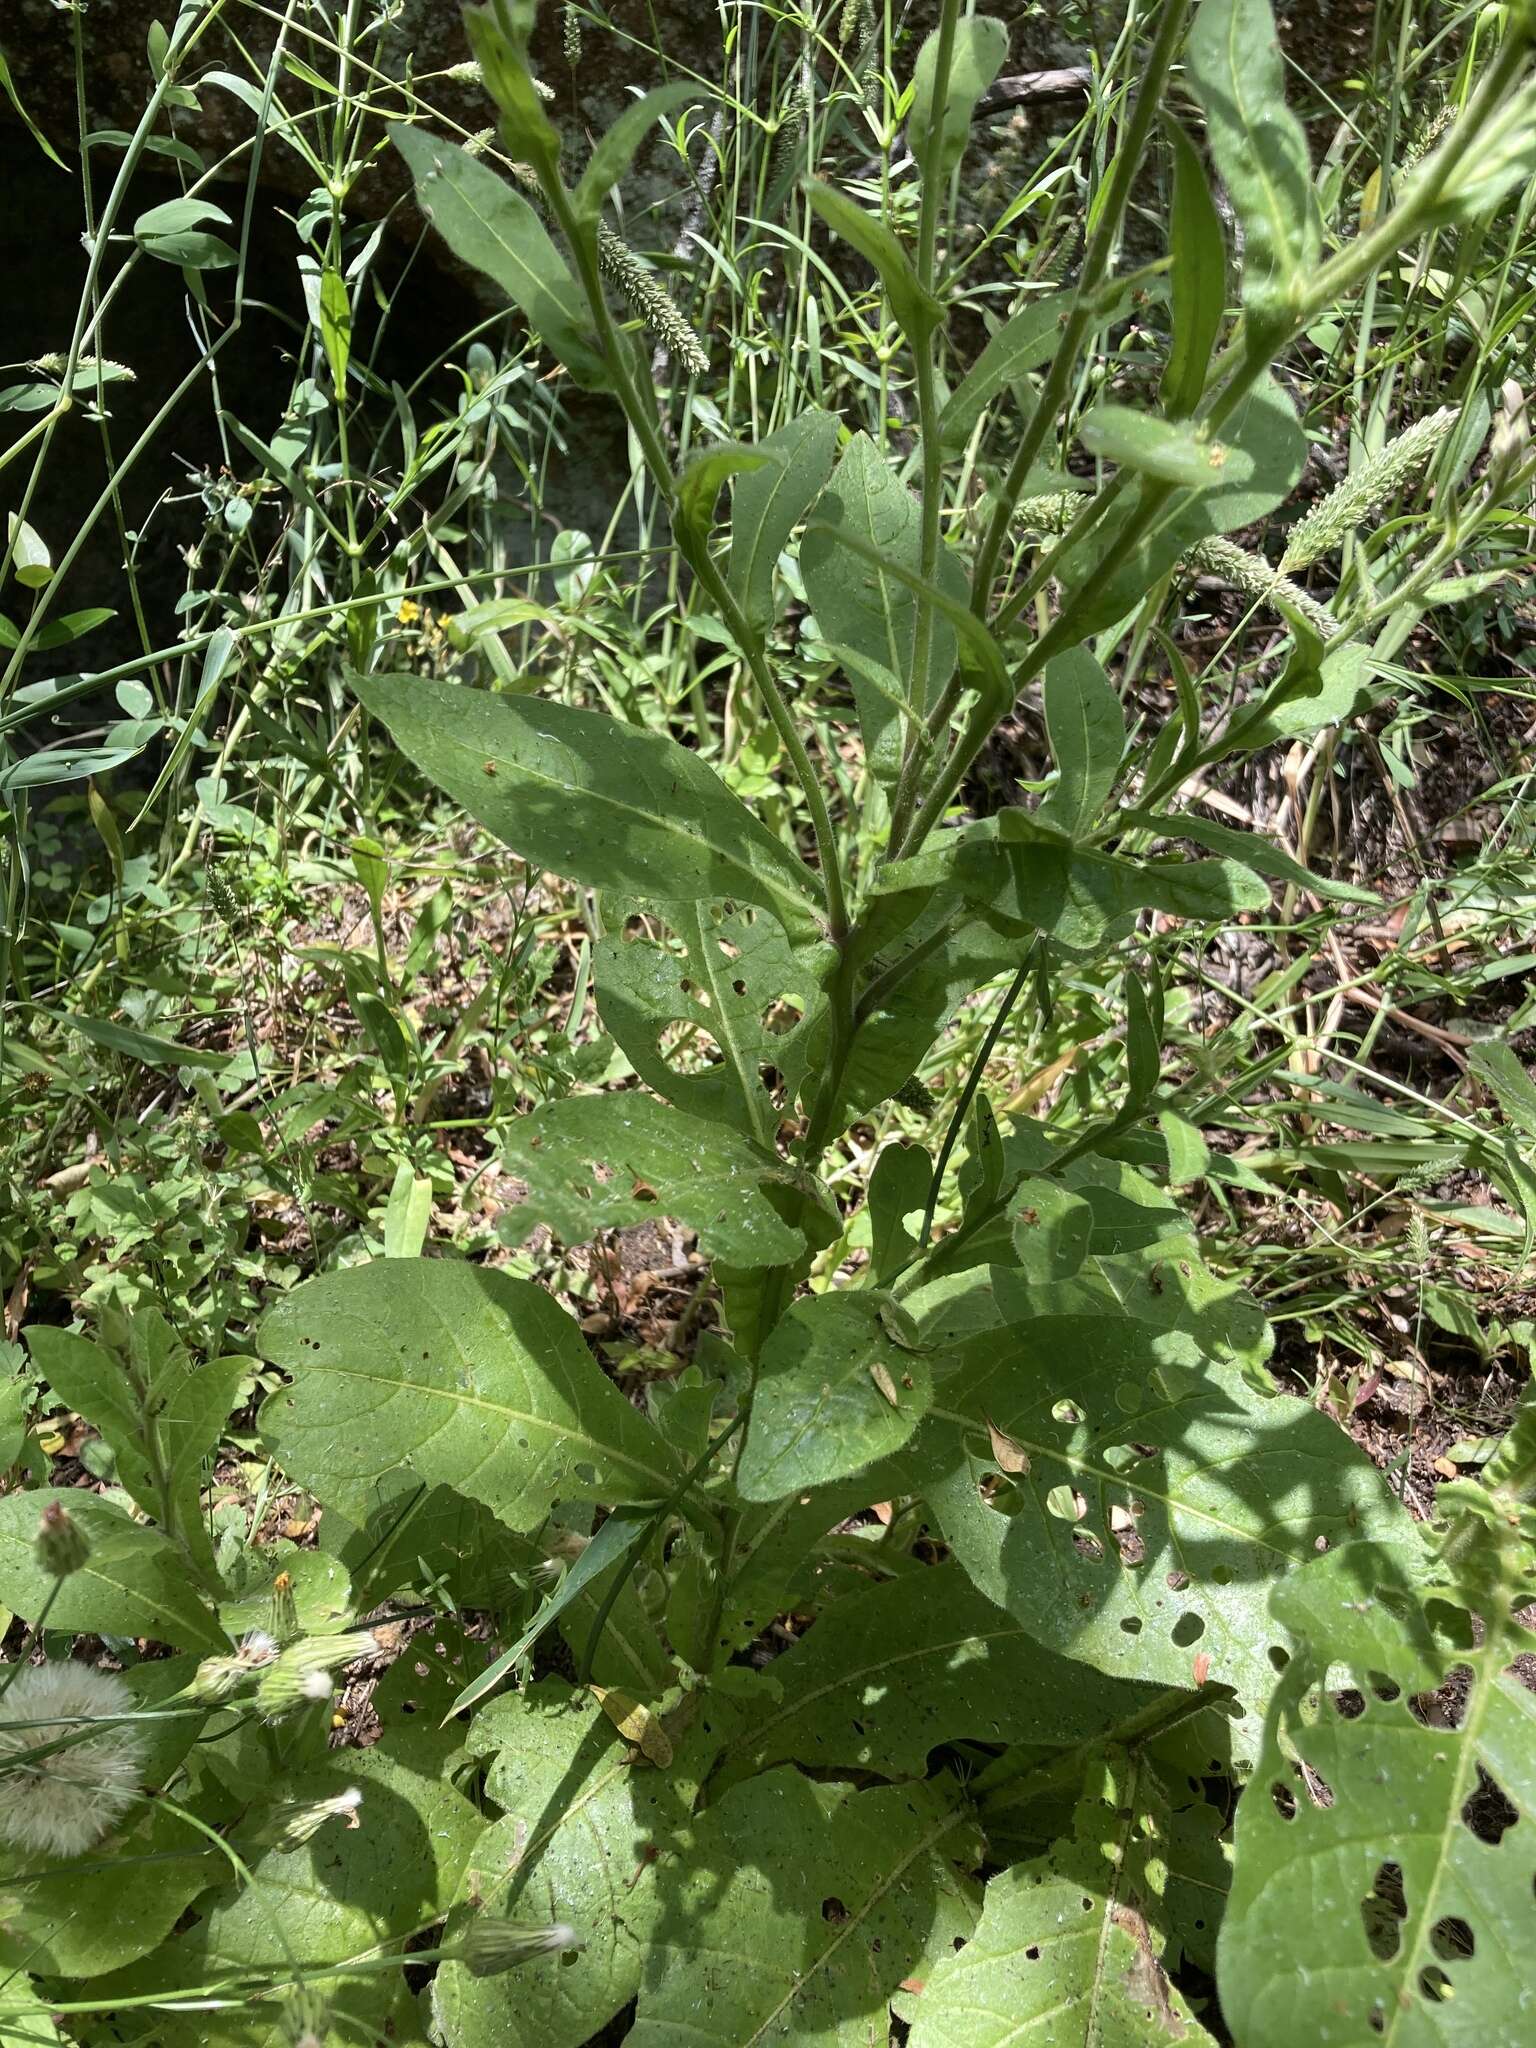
(1511, 436)
(284, 1689)
(290, 1825)
(61, 1546)
(306, 2018)
(489, 1945)
(327, 1653)
(282, 1611)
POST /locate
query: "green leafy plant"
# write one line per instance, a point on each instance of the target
(979, 1404)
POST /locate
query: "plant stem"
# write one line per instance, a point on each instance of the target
(972, 1083)
(932, 449)
(641, 418)
(1095, 266)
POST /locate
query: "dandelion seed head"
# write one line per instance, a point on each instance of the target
(60, 1804)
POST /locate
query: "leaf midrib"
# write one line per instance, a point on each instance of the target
(783, 884)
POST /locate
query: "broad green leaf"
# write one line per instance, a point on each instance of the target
(1501, 1070)
(134, 1582)
(1053, 1230)
(336, 326)
(1188, 1154)
(146, 1046)
(1086, 729)
(1235, 66)
(345, 1892)
(1249, 849)
(1095, 1238)
(30, 562)
(1010, 869)
(1385, 1836)
(917, 312)
(841, 1383)
(748, 1948)
(1068, 1952)
(896, 1195)
(167, 1427)
(1307, 698)
(427, 1537)
(470, 1378)
(499, 38)
(615, 151)
(1266, 449)
(887, 1675)
(868, 609)
(1163, 1498)
(589, 797)
(79, 1917)
(605, 1162)
(777, 1568)
(1023, 343)
(981, 656)
(702, 481)
(1169, 449)
(1199, 281)
(493, 229)
(318, 1586)
(579, 1820)
(938, 131)
(407, 1214)
(770, 502)
(974, 948)
(58, 632)
(26, 2019)
(748, 997)
(175, 233)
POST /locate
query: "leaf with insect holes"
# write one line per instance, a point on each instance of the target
(604, 1162)
(593, 798)
(835, 1391)
(467, 1376)
(1069, 1949)
(800, 1910)
(494, 230)
(1386, 1832)
(886, 1675)
(743, 1000)
(1164, 1496)
(586, 1839)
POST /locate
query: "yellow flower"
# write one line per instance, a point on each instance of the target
(407, 611)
